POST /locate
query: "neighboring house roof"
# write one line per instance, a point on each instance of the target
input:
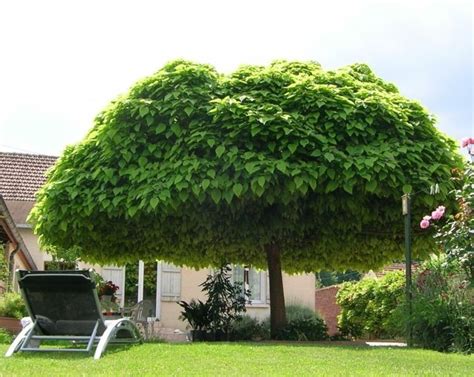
(9, 232)
(22, 174)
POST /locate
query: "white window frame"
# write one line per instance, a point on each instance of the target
(262, 300)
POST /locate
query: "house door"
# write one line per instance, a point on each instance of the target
(117, 276)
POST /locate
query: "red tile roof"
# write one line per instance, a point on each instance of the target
(21, 175)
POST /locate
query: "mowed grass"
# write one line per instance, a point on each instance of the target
(241, 359)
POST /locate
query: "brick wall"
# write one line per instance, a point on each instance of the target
(327, 308)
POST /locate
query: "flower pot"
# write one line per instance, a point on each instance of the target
(12, 325)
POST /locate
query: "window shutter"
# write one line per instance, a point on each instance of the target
(170, 282)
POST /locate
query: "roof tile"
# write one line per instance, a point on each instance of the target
(21, 174)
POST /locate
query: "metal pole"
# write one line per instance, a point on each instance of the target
(407, 212)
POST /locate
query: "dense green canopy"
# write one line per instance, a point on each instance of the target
(196, 168)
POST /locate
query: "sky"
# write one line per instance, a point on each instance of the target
(62, 62)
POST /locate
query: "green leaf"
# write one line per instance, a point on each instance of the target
(149, 120)
(281, 165)
(228, 196)
(407, 189)
(332, 185)
(293, 147)
(211, 173)
(211, 142)
(220, 150)
(251, 167)
(216, 196)
(371, 185)
(205, 183)
(329, 156)
(237, 189)
(261, 181)
(176, 129)
(188, 110)
(160, 129)
(154, 202)
(143, 110)
(132, 210)
(348, 186)
(298, 182)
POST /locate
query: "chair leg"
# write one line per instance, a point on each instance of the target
(109, 333)
(20, 338)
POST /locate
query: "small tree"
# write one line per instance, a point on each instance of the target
(286, 166)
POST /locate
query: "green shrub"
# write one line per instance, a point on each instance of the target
(5, 337)
(442, 307)
(302, 324)
(368, 306)
(248, 328)
(12, 305)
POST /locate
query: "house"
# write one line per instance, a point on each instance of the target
(21, 175)
(15, 253)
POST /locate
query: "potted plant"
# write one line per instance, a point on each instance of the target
(197, 315)
(225, 303)
(106, 291)
(12, 309)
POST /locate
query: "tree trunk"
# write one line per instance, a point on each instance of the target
(277, 297)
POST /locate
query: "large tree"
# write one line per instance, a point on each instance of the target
(281, 167)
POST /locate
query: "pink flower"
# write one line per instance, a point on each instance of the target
(465, 142)
(441, 209)
(471, 140)
(424, 223)
(436, 215)
(427, 218)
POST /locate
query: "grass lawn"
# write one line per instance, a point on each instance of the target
(241, 359)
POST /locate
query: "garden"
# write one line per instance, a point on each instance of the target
(250, 168)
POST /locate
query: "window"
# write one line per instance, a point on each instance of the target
(170, 282)
(254, 280)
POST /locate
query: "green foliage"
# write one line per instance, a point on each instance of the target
(196, 168)
(225, 303)
(368, 306)
(12, 305)
(248, 328)
(197, 314)
(5, 337)
(328, 278)
(457, 235)
(303, 324)
(443, 307)
(131, 281)
(3, 265)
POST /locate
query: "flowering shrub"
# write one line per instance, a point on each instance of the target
(107, 289)
(456, 236)
(435, 215)
(469, 144)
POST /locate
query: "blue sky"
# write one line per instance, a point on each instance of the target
(62, 62)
